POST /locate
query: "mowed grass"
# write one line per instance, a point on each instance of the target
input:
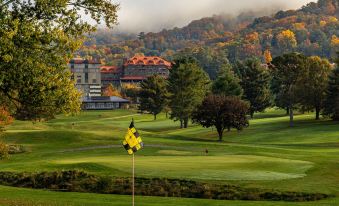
(267, 155)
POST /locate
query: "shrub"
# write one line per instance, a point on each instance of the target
(4, 150)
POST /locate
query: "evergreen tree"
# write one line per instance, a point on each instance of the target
(187, 85)
(227, 83)
(153, 95)
(332, 100)
(255, 81)
(287, 72)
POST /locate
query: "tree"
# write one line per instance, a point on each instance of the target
(5, 119)
(332, 100)
(153, 95)
(314, 84)
(38, 38)
(222, 112)
(268, 56)
(286, 41)
(227, 83)
(255, 81)
(187, 85)
(111, 91)
(287, 72)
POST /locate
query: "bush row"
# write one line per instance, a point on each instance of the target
(78, 181)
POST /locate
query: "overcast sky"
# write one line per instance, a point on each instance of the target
(154, 15)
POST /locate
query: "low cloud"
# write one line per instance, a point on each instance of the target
(155, 15)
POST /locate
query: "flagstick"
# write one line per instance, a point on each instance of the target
(133, 182)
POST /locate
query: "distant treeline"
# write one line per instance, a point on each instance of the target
(78, 181)
(311, 30)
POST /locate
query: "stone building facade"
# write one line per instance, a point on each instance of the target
(87, 76)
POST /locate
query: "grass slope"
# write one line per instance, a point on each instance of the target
(268, 155)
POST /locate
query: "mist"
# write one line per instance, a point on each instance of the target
(154, 15)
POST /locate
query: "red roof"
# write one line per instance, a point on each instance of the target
(109, 69)
(151, 60)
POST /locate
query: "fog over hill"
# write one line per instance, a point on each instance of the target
(153, 16)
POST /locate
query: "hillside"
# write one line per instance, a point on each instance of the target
(312, 29)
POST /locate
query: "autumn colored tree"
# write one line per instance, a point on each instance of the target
(5, 119)
(268, 56)
(286, 41)
(222, 113)
(38, 38)
(111, 91)
(153, 95)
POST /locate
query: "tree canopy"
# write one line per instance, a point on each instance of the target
(37, 39)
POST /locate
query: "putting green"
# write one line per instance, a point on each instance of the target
(228, 167)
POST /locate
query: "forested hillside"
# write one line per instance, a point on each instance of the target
(312, 30)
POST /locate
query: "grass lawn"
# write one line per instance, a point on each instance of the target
(267, 155)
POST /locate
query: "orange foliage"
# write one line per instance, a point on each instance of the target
(5, 117)
(299, 26)
(268, 56)
(287, 38)
(335, 41)
(110, 91)
(253, 37)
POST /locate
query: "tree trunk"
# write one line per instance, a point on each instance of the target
(155, 116)
(181, 124)
(186, 123)
(228, 128)
(317, 111)
(220, 133)
(252, 114)
(166, 115)
(291, 117)
(287, 111)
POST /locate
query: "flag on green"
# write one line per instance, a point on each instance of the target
(132, 142)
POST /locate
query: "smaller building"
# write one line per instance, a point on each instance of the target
(103, 103)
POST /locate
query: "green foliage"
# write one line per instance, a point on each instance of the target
(332, 100)
(4, 150)
(187, 85)
(287, 72)
(255, 81)
(37, 40)
(222, 112)
(314, 84)
(227, 83)
(77, 181)
(153, 95)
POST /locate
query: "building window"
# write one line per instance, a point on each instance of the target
(86, 78)
(79, 79)
(94, 81)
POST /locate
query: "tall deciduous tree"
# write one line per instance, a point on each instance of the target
(222, 113)
(255, 81)
(227, 83)
(38, 38)
(288, 71)
(187, 85)
(314, 84)
(153, 95)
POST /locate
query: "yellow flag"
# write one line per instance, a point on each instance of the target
(132, 142)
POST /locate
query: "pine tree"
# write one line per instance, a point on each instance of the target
(227, 83)
(255, 81)
(187, 85)
(332, 100)
(153, 95)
